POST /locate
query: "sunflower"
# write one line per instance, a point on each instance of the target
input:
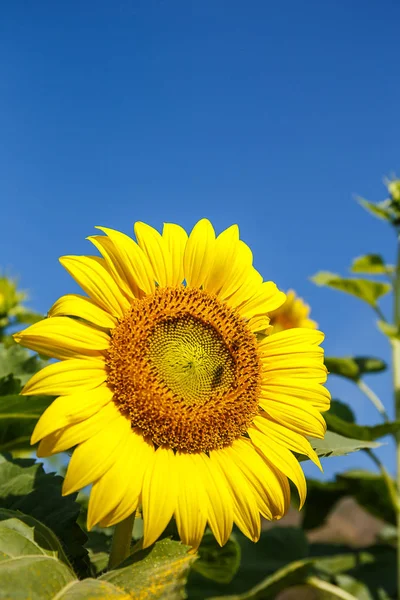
(171, 397)
(294, 312)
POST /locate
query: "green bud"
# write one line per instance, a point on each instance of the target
(394, 190)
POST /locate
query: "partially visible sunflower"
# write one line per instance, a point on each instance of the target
(294, 312)
(169, 396)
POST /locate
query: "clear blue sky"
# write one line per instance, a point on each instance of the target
(272, 115)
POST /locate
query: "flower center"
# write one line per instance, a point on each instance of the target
(192, 359)
(185, 368)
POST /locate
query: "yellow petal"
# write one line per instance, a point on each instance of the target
(285, 341)
(91, 459)
(91, 273)
(199, 253)
(175, 238)
(116, 265)
(220, 503)
(137, 267)
(245, 511)
(295, 365)
(282, 459)
(68, 410)
(67, 377)
(62, 337)
(74, 305)
(279, 388)
(108, 491)
(71, 435)
(289, 439)
(259, 324)
(242, 271)
(270, 487)
(295, 414)
(249, 288)
(266, 299)
(156, 250)
(190, 512)
(159, 494)
(139, 455)
(226, 247)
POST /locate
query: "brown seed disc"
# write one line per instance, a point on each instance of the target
(185, 368)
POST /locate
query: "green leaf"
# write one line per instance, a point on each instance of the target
(353, 367)
(365, 289)
(277, 547)
(159, 571)
(19, 362)
(24, 486)
(92, 589)
(216, 563)
(98, 546)
(388, 329)
(33, 577)
(22, 534)
(9, 385)
(370, 491)
(381, 210)
(334, 444)
(354, 587)
(371, 264)
(374, 566)
(321, 498)
(18, 417)
(293, 574)
(341, 410)
(27, 317)
(367, 433)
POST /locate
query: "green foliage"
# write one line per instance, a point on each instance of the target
(216, 563)
(381, 210)
(24, 486)
(364, 289)
(12, 311)
(18, 417)
(340, 419)
(371, 264)
(159, 571)
(334, 444)
(353, 367)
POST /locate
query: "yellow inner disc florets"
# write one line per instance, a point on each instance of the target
(185, 369)
(192, 359)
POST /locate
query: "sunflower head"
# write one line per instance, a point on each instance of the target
(171, 397)
(294, 312)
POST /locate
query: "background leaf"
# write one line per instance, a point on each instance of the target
(365, 289)
(381, 210)
(24, 486)
(33, 577)
(216, 563)
(361, 432)
(159, 571)
(353, 367)
(334, 444)
(371, 264)
(18, 362)
(18, 417)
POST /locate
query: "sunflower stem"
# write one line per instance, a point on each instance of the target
(121, 542)
(373, 398)
(396, 386)
(333, 590)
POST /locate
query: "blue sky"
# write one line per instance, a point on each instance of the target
(272, 115)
